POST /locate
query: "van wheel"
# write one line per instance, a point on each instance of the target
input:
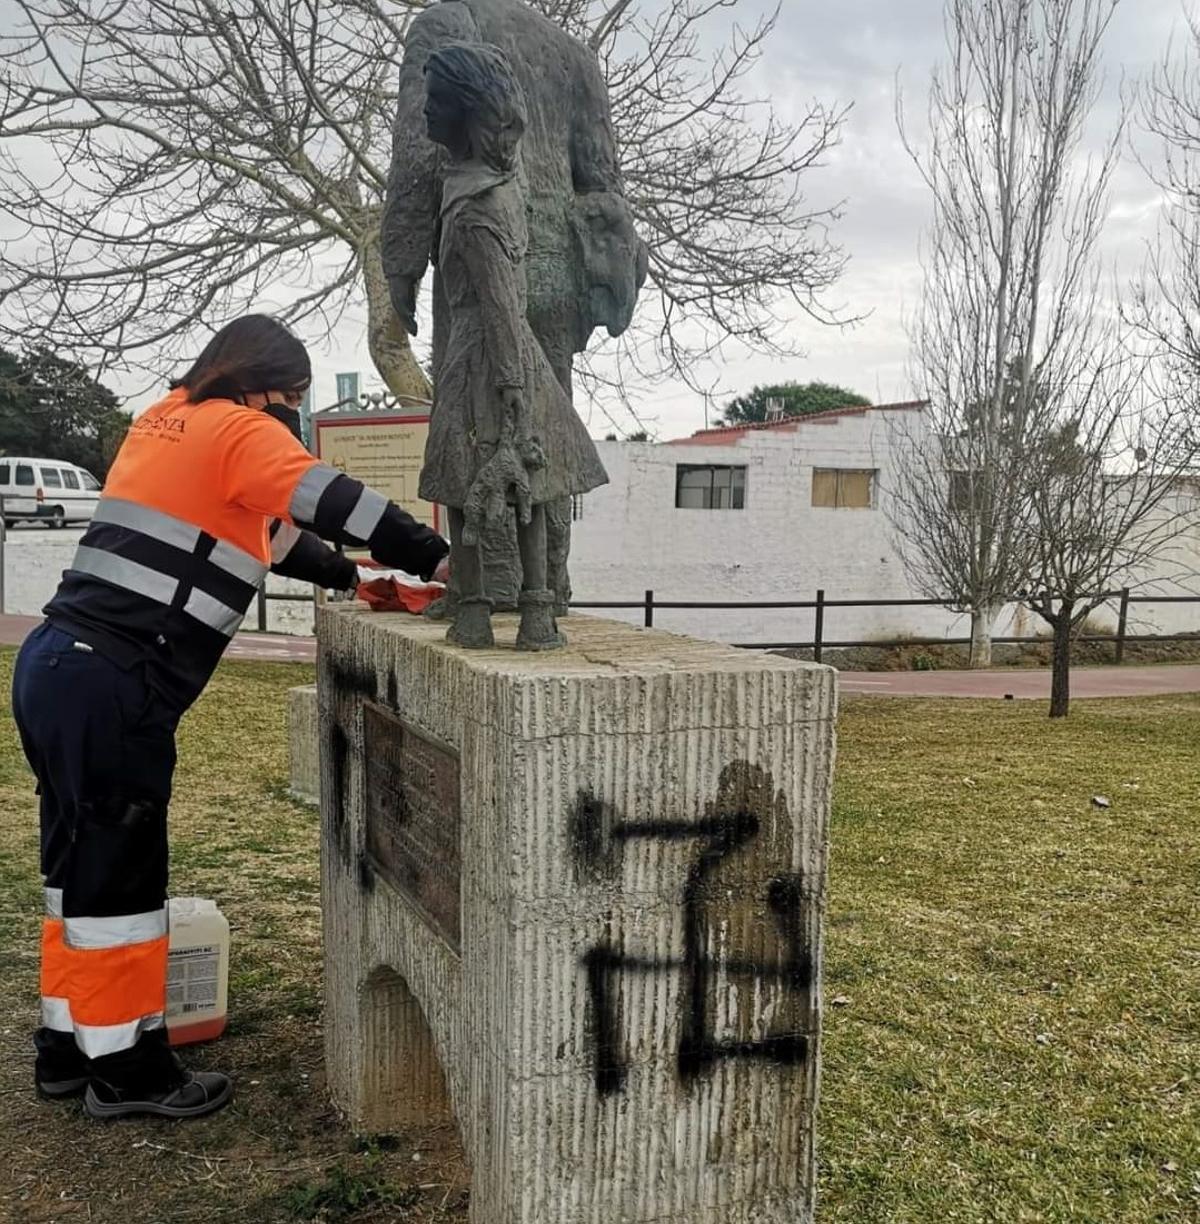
(58, 517)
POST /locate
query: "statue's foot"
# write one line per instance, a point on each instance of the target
(538, 630)
(471, 625)
(439, 609)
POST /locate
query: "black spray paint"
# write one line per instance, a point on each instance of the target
(597, 838)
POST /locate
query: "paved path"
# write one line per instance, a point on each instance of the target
(1027, 684)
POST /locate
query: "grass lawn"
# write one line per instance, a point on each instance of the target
(1012, 982)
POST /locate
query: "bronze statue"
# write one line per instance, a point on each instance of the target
(585, 262)
(504, 439)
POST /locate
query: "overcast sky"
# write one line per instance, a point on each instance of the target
(859, 51)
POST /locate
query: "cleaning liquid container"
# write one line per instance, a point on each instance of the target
(197, 970)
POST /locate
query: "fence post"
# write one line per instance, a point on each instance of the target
(1122, 624)
(262, 609)
(818, 625)
(649, 609)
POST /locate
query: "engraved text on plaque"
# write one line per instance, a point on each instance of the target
(413, 817)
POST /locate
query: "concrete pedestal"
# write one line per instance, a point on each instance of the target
(574, 900)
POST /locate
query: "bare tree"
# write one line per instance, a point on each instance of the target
(1167, 302)
(716, 181)
(1009, 280)
(1111, 487)
(168, 163)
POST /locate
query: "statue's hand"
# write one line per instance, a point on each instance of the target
(403, 291)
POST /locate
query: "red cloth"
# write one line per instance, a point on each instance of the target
(392, 595)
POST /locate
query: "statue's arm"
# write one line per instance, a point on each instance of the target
(595, 165)
(412, 201)
(411, 204)
(494, 279)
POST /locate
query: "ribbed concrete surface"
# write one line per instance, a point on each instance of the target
(304, 768)
(630, 1032)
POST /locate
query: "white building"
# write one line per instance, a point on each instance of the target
(775, 512)
(748, 513)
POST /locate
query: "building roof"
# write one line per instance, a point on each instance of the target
(723, 435)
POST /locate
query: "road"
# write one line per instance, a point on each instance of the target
(1030, 684)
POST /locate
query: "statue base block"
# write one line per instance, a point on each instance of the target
(574, 900)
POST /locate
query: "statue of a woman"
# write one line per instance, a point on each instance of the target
(504, 438)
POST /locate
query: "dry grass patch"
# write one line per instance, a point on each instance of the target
(279, 1152)
(1012, 983)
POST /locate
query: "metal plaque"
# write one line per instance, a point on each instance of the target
(414, 817)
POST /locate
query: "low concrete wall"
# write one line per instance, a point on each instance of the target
(303, 755)
(35, 558)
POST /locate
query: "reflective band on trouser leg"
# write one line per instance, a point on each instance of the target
(56, 1011)
(118, 979)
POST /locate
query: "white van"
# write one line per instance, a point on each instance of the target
(46, 490)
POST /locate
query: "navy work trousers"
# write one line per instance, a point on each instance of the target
(102, 747)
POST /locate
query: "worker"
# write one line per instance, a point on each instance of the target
(206, 494)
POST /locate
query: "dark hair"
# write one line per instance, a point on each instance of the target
(253, 353)
(491, 97)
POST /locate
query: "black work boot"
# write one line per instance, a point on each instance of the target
(60, 1070)
(150, 1079)
(200, 1093)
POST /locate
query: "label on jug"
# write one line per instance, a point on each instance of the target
(192, 979)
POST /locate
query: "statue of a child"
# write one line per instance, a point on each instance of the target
(504, 438)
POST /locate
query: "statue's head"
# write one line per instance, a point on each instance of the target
(474, 105)
(613, 261)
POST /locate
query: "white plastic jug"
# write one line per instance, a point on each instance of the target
(197, 970)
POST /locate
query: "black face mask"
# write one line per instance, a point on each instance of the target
(289, 418)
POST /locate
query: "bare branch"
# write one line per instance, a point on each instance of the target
(165, 164)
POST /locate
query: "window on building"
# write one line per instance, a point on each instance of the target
(70, 479)
(844, 488)
(709, 487)
(25, 474)
(966, 490)
(51, 478)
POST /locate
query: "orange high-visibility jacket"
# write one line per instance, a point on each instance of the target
(181, 538)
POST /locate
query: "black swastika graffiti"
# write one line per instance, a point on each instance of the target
(734, 821)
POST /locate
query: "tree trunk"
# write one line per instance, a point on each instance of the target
(1060, 672)
(982, 620)
(386, 338)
